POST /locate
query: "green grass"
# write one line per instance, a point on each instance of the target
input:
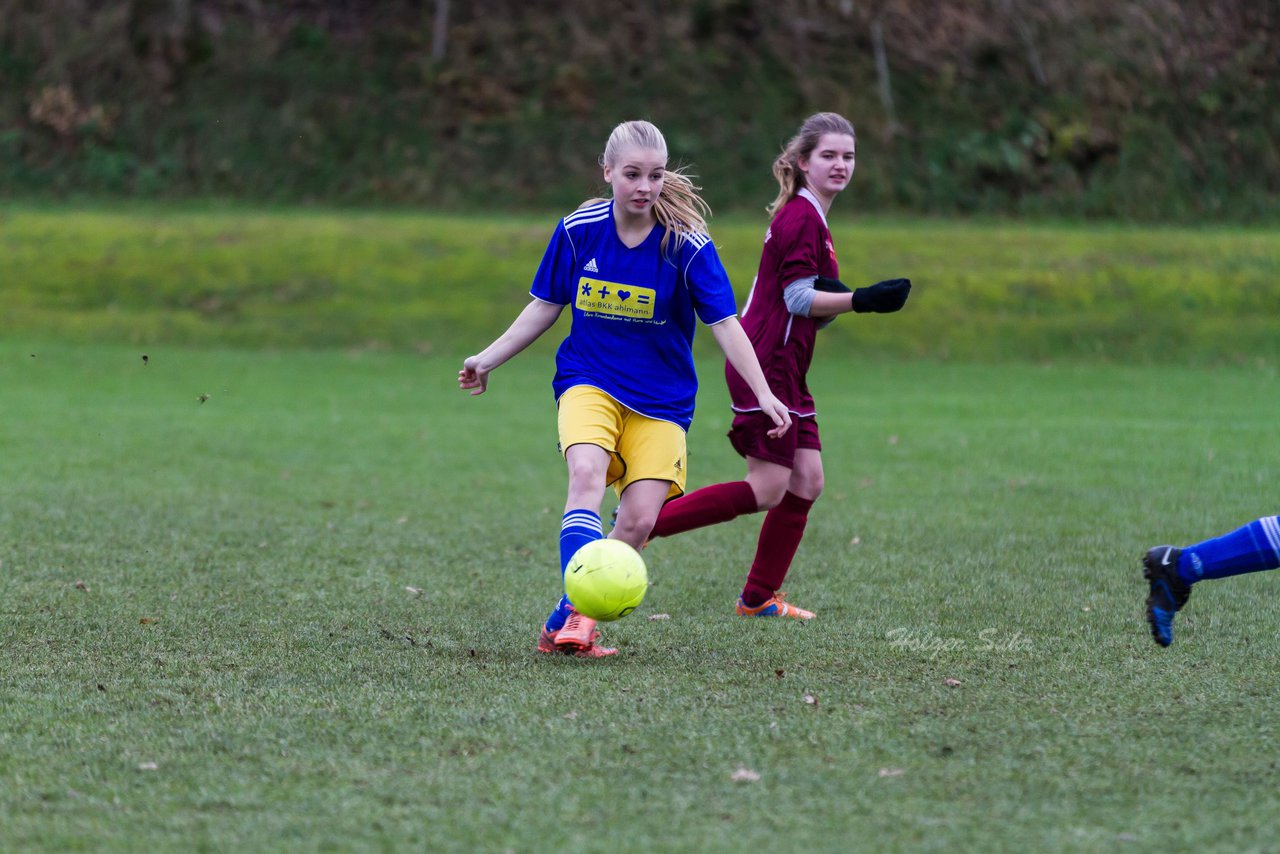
(427, 282)
(245, 625)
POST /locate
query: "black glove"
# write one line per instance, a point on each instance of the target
(882, 297)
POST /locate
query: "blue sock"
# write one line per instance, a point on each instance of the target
(578, 528)
(1253, 548)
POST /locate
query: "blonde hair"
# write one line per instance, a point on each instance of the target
(678, 208)
(787, 167)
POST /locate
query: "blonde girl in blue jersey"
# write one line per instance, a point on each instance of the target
(638, 272)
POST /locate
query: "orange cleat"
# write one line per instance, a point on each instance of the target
(774, 607)
(579, 637)
(547, 641)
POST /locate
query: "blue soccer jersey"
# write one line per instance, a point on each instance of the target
(634, 311)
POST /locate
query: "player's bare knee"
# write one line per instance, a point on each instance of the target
(634, 529)
(808, 485)
(584, 474)
(807, 478)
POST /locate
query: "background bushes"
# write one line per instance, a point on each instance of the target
(1146, 109)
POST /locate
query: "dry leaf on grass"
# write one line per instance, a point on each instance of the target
(810, 699)
(80, 585)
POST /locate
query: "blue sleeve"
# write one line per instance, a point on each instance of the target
(708, 284)
(554, 280)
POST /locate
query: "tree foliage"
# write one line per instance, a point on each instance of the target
(1153, 109)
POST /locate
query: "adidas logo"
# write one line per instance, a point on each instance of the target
(591, 267)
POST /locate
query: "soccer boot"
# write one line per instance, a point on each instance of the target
(547, 640)
(774, 607)
(547, 644)
(1168, 591)
(580, 637)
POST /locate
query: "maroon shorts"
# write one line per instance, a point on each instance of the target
(749, 436)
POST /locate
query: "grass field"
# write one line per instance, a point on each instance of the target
(208, 640)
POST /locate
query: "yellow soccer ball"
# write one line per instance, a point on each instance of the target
(606, 580)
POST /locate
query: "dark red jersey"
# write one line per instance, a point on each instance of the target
(796, 246)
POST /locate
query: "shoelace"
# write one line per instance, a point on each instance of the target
(572, 623)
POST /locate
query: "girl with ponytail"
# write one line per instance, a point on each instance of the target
(638, 272)
(797, 291)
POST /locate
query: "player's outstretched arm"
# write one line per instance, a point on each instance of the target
(737, 349)
(537, 318)
(832, 297)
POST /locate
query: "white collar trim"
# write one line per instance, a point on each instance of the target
(813, 200)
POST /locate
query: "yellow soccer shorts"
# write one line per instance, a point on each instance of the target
(640, 447)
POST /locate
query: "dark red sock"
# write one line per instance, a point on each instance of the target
(710, 505)
(779, 538)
